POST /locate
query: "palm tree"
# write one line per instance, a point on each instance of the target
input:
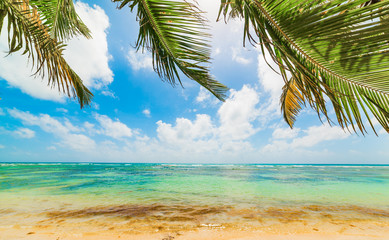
(39, 29)
(334, 51)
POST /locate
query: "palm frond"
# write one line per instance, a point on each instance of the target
(337, 49)
(291, 101)
(174, 33)
(60, 18)
(27, 32)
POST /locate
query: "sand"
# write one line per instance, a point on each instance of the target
(284, 232)
(195, 222)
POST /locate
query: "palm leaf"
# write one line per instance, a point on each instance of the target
(291, 101)
(336, 50)
(61, 19)
(174, 33)
(27, 31)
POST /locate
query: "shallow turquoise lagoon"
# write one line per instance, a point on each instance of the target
(189, 184)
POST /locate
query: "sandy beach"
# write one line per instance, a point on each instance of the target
(299, 231)
(195, 222)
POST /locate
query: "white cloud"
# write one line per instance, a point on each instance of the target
(203, 96)
(202, 135)
(24, 133)
(272, 83)
(63, 131)
(237, 114)
(186, 130)
(89, 127)
(147, 112)
(95, 106)
(63, 110)
(89, 58)
(317, 134)
(17, 72)
(79, 142)
(2, 113)
(108, 93)
(2, 146)
(312, 136)
(216, 52)
(285, 133)
(139, 60)
(114, 129)
(237, 56)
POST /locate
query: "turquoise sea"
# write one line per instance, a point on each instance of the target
(201, 184)
(193, 194)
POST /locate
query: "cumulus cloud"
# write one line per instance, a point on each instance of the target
(271, 82)
(285, 133)
(89, 58)
(63, 131)
(205, 98)
(17, 72)
(114, 129)
(139, 60)
(147, 112)
(310, 137)
(237, 114)
(236, 117)
(24, 133)
(317, 134)
(203, 95)
(186, 130)
(237, 56)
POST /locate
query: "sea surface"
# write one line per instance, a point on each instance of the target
(194, 194)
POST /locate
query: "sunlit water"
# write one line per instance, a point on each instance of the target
(175, 192)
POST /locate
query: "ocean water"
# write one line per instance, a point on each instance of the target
(198, 193)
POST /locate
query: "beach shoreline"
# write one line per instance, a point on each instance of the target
(164, 222)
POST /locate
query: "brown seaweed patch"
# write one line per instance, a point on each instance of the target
(6, 211)
(155, 211)
(372, 212)
(121, 211)
(284, 214)
(210, 210)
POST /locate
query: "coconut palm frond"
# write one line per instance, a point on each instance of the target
(175, 33)
(61, 19)
(335, 50)
(291, 101)
(28, 33)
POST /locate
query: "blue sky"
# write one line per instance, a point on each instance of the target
(135, 117)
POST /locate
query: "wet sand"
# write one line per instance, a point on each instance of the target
(168, 222)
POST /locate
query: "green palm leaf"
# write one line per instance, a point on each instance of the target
(61, 19)
(336, 50)
(174, 33)
(27, 32)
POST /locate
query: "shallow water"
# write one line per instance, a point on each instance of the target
(191, 195)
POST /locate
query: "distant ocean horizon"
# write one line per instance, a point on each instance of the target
(200, 163)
